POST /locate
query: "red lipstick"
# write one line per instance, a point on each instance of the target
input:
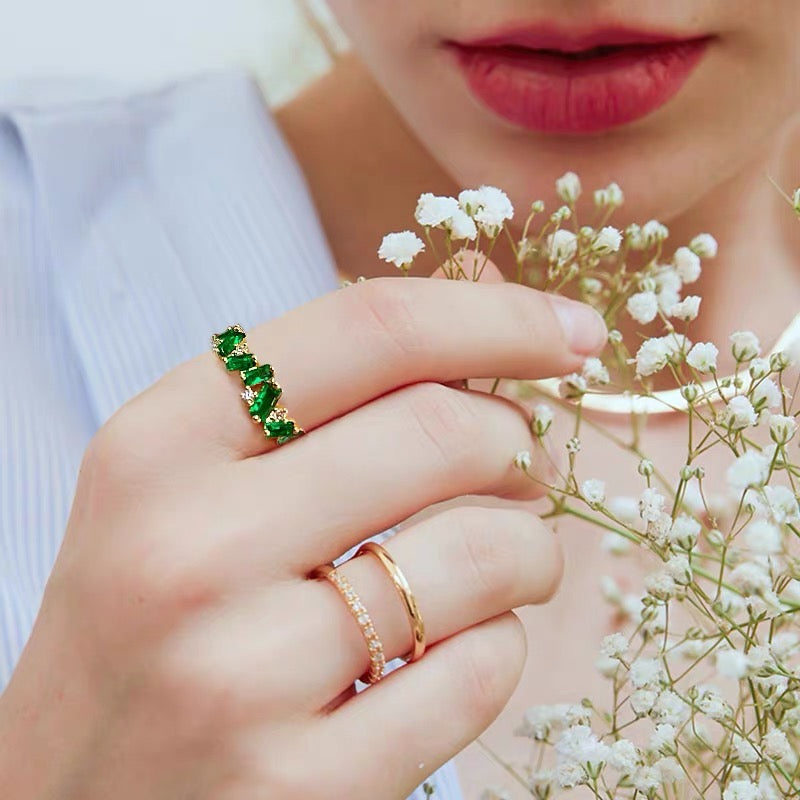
(551, 80)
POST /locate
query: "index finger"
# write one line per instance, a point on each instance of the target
(359, 342)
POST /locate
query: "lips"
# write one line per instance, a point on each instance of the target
(551, 81)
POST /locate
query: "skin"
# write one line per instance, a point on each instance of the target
(187, 635)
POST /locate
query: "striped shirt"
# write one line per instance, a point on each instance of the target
(132, 224)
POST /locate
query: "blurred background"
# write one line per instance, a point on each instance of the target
(284, 43)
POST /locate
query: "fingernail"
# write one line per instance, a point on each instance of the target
(583, 327)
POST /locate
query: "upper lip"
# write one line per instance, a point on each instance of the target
(554, 37)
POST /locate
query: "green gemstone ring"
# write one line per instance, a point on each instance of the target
(261, 390)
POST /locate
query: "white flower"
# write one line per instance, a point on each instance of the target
(651, 504)
(646, 673)
(623, 756)
(687, 264)
(766, 395)
(687, 309)
(539, 722)
(660, 585)
(760, 368)
(742, 790)
(764, 538)
(739, 413)
(651, 357)
(745, 345)
(668, 284)
(643, 307)
(607, 667)
(573, 445)
(594, 492)
(669, 770)
(615, 544)
(783, 644)
(488, 206)
(579, 747)
(647, 780)
(704, 245)
(782, 504)
(679, 569)
(615, 645)
(745, 752)
(782, 429)
(710, 702)
(643, 700)
(542, 419)
(568, 187)
(462, 226)
(670, 708)
(750, 579)
(433, 210)
(572, 386)
(776, 745)
(401, 248)
(731, 663)
(495, 793)
(684, 532)
(676, 344)
(653, 231)
(595, 372)
(750, 469)
(663, 739)
(522, 460)
(562, 246)
(703, 357)
(610, 196)
(607, 241)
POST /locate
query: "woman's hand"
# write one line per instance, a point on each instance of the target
(182, 652)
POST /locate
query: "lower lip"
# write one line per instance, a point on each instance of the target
(552, 93)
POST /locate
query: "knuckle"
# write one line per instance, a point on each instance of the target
(388, 319)
(490, 667)
(446, 419)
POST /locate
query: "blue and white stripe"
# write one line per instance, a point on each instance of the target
(131, 225)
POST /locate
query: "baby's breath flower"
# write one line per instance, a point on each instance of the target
(562, 246)
(542, 419)
(573, 445)
(750, 579)
(661, 586)
(687, 309)
(782, 429)
(703, 357)
(643, 307)
(462, 226)
(783, 645)
(739, 413)
(651, 357)
(607, 667)
(572, 386)
(744, 345)
(669, 286)
(762, 537)
(624, 756)
(433, 210)
(766, 395)
(488, 206)
(540, 722)
(663, 739)
(615, 544)
(704, 245)
(782, 504)
(594, 492)
(684, 532)
(690, 392)
(568, 187)
(615, 645)
(591, 286)
(744, 751)
(400, 248)
(653, 232)
(759, 368)
(730, 664)
(607, 241)
(495, 793)
(610, 197)
(651, 504)
(750, 469)
(776, 745)
(687, 264)
(579, 753)
(646, 673)
(522, 460)
(679, 569)
(780, 360)
(642, 701)
(742, 790)
(634, 237)
(595, 372)
(670, 708)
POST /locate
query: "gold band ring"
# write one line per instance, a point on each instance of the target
(406, 595)
(377, 658)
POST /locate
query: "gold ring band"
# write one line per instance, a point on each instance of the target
(377, 657)
(406, 595)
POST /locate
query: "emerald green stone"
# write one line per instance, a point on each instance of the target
(240, 363)
(228, 339)
(258, 375)
(280, 429)
(265, 401)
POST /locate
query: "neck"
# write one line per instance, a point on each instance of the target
(365, 180)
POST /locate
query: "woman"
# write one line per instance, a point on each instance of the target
(185, 645)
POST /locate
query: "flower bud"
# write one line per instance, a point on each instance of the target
(715, 537)
(568, 187)
(687, 472)
(759, 368)
(690, 392)
(537, 206)
(572, 387)
(782, 428)
(796, 201)
(591, 286)
(615, 337)
(542, 419)
(778, 361)
(646, 467)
